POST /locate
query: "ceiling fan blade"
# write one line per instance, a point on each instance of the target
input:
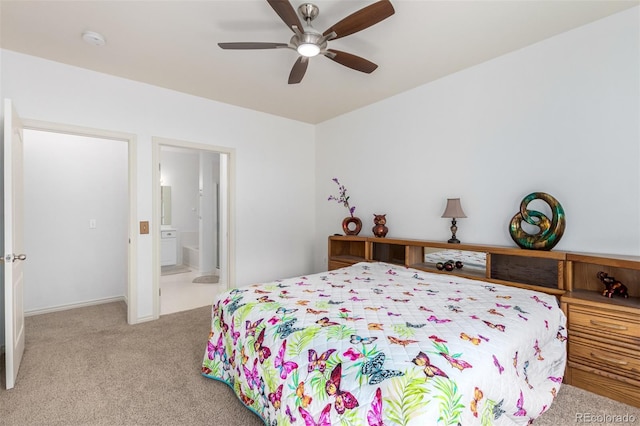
(363, 18)
(286, 12)
(252, 45)
(352, 61)
(298, 70)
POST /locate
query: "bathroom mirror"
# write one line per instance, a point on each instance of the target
(166, 205)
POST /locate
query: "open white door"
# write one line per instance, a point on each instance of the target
(13, 240)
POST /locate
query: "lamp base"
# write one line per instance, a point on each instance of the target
(454, 229)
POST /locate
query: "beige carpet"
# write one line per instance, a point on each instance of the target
(206, 279)
(88, 367)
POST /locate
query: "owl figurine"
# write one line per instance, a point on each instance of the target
(380, 230)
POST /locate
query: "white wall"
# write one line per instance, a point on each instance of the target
(275, 215)
(69, 181)
(560, 116)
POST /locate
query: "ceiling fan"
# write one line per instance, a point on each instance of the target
(309, 42)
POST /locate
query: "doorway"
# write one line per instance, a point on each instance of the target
(77, 218)
(191, 205)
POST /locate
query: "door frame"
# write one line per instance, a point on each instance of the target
(130, 140)
(156, 143)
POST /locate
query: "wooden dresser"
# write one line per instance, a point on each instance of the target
(603, 333)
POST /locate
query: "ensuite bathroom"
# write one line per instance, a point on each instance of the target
(190, 228)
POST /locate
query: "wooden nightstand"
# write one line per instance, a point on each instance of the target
(603, 333)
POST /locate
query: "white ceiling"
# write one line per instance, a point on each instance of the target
(173, 44)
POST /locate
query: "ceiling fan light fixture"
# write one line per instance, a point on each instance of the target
(308, 49)
(309, 42)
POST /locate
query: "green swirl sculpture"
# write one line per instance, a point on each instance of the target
(550, 230)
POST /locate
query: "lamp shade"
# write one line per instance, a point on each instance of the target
(453, 209)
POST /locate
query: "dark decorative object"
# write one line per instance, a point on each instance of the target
(453, 211)
(380, 230)
(550, 230)
(449, 265)
(612, 286)
(351, 230)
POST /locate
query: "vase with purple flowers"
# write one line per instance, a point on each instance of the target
(351, 225)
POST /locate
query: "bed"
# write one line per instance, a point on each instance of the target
(376, 343)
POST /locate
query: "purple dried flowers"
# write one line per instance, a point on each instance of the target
(343, 198)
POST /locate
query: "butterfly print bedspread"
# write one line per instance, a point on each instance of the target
(376, 344)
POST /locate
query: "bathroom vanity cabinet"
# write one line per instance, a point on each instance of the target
(168, 248)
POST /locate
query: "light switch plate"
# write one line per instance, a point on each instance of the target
(144, 227)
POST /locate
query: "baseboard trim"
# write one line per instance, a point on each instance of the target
(74, 306)
(144, 319)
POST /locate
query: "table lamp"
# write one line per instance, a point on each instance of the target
(453, 211)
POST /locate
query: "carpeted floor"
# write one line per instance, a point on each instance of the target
(88, 367)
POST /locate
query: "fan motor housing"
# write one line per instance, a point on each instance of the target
(310, 36)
